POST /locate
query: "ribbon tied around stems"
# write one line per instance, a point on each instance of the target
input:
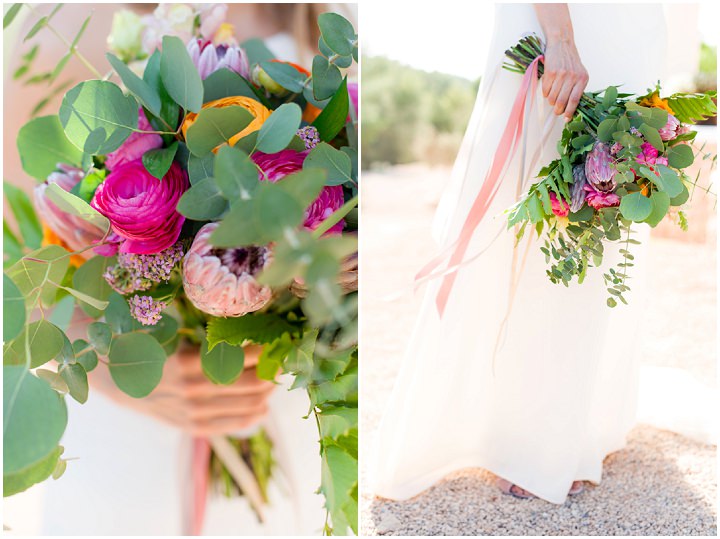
(504, 154)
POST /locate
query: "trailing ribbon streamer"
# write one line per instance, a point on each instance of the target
(200, 479)
(503, 155)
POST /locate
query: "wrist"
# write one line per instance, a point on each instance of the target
(560, 37)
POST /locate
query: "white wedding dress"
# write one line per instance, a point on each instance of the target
(560, 393)
(131, 473)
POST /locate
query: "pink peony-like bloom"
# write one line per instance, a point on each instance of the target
(598, 199)
(209, 58)
(141, 208)
(221, 282)
(77, 233)
(650, 156)
(599, 169)
(670, 130)
(135, 145)
(559, 206)
(276, 166)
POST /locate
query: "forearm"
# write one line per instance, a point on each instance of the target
(555, 22)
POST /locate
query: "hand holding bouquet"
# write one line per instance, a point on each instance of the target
(622, 161)
(189, 201)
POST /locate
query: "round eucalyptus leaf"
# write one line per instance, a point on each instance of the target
(34, 418)
(136, 363)
(42, 144)
(223, 364)
(33, 474)
(97, 117)
(13, 310)
(636, 207)
(45, 342)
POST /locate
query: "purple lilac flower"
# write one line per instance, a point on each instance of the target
(135, 273)
(146, 310)
(310, 136)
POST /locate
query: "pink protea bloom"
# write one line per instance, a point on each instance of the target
(559, 206)
(599, 169)
(276, 166)
(141, 208)
(135, 145)
(599, 199)
(670, 130)
(77, 233)
(221, 282)
(209, 58)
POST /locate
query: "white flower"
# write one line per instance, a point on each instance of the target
(125, 38)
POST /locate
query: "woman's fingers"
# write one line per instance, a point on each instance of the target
(574, 99)
(547, 83)
(563, 96)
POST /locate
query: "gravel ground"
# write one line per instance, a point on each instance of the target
(661, 484)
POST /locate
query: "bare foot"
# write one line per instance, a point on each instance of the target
(576, 488)
(513, 490)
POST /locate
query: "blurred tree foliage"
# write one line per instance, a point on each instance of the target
(411, 115)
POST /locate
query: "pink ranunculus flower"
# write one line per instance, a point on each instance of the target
(276, 166)
(135, 145)
(670, 130)
(74, 231)
(598, 199)
(221, 282)
(559, 206)
(209, 58)
(141, 208)
(650, 156)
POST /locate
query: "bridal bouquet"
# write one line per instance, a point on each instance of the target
(208, 196)
(622, 161)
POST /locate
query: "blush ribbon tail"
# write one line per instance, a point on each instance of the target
(200, 480)
(503, 156)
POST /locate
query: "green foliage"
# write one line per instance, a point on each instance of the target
(335, 163)
(75, 205)
(38, 275)
(97, 117)
(34, 418)
(157, 162)
(42, 144)
(259, 328)
(226, 83)
(38, 343)
(25, 216)
(32, 474)
(136, 363)
(216, 126)
(692, 108)
(411, 115)
(332, 119)
(223, 364)
(279, 129)
(13, 310)
(179, 75)
(145, 94)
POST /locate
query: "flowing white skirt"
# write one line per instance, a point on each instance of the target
(561, 394)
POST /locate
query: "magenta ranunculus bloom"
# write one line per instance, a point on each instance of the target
(598, 199)
(141, 208)
(135, 145)
(559, 206)
(276, 166)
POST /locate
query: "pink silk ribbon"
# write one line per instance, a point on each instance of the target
(503, 155)
(200, 479)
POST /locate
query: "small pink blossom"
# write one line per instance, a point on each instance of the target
(598, 199)
(670, 130)
(559, 207)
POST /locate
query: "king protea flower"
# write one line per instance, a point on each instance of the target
(221, 282)
(599, 169)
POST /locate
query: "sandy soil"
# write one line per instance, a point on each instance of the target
(661, 484)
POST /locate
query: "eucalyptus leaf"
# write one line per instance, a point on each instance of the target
(100, 336)
(327, 78)
(665, 178)
(279, 129)
(13, 310)
(97, 117)
(680, 156)
(179, 75)
(38, 274)
(146, 94)
(337, 33)
(203, 201)
(236, 175)
(635, 207)
(35, 473)
(223, 364)
(42, 144)
(336, 163)
(136, 363)
(45, 342)
(74, 205)
(34, 419)
(158, 161)
(89, 280)
(216, 126)
(226, 83)
(25, 216)
(660, 206)
(200, 168)
(84, 355)
(334, 116)
(77, 381)
(285, 75)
